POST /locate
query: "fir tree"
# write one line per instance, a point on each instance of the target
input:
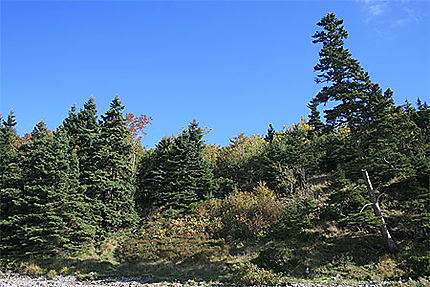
(178, 174)
(9, 182)
(191, 175)
(112, 183)
(351, 89)
(50, 214)
(8, 165)
(83, 130)
(314, 117)
(270, 133)
(153, 176)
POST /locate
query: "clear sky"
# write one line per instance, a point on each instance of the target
(235, 66)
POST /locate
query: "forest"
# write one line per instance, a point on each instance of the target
(343, 194)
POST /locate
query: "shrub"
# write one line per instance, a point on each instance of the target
(279, 260)
(30, 268)
(298, 214)
(51, 274)
(388, 269)
(245, 215)
(173, 237)
(419, 265)
(249, 274)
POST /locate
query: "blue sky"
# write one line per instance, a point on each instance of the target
(235, 66)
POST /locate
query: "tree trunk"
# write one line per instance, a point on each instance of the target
(388, 240)
(386, 236)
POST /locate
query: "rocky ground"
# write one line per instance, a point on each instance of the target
(17, 280)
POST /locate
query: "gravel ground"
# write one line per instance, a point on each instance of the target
(17, 280)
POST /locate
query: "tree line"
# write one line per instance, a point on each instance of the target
(89, 177)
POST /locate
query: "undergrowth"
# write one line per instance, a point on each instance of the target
(175, 246)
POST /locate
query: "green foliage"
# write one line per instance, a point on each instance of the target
(223, 187)
(299, 213)
(419, 266)
(62, 190)
(347, 202)
(177, 174)
(315, 118)
(277, 259)
(240, 161)
(289, 160)
(113, 183)
(9, 180)
(50, 214)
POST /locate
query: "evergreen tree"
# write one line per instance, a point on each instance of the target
(9, 181)
(314, 117)
(87, 142)
(50, 214)
(8, 165)
(83, 130)
(154, 175)
(289, 160)
(190, 172)
(178, 174)
(112, 184)
(70, 125)
(270, 133)
(349, 86)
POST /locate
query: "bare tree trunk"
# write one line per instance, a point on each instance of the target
(386, 236)
(388, 240)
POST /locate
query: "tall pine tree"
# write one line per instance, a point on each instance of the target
(50, 214)
(9, 182)
(349, 86)
(178, 174)
(112, 183)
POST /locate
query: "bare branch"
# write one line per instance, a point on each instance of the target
(387, 162)
(377, 200)
(366, 205)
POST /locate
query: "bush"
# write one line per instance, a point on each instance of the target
(388, 268)
(31, 269)
(173, 237)
(278, 260)
(245, 215)
(249, 274)
(298, 214)
(51, 274)
(419, 265)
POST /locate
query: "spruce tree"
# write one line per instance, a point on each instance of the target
(270, 134)
(191, 175)
(178, 174)
(88, 141)
(83, 130)
(349, 86)
(50, 214)
(154, 175)
(9, 182)
(112, 183)
(314, 117)
(8, 166)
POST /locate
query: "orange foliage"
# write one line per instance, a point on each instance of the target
(136, 125)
